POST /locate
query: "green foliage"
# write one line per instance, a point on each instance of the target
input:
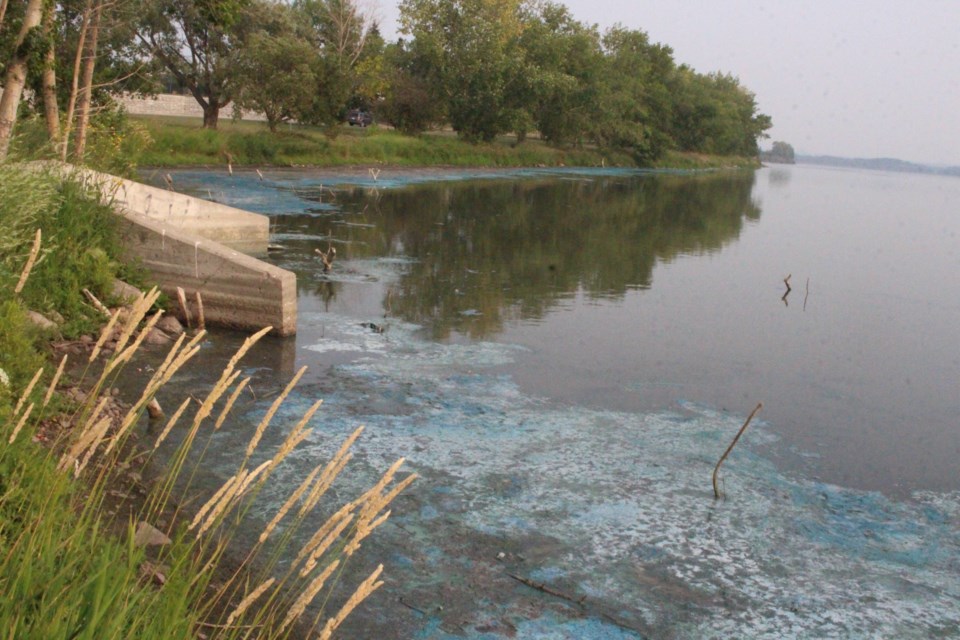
(780, 152)
(177, 142)
(79, 248)
(468, 50)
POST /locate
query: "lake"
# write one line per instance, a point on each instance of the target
(563, 355)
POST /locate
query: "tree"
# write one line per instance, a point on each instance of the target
(471, 54)
(781, 152)
(276, 75)
(633, 106)
(563, 69)
(16, 74)
(341, 34)
(197, 41)
(408, 101)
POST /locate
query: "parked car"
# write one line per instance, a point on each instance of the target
(359, 118)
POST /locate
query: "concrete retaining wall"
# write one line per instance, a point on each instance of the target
(195, 244)
(169, 104)
(237, 290)
(236, 228)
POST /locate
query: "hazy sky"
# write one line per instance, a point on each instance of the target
(858, 78)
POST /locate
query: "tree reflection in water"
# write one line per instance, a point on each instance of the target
(479, 253)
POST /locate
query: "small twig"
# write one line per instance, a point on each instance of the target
(622, 625)
(786, 281)
(327, 257)
(259, 173)
(96, 303)
(30, 262)
(716, 470)
(410, 606)
(806, 295)
(539, 586)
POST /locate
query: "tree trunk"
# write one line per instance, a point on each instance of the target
(51, 110)
(211, 113)
(75, 81)
(89, 63)
(16, 76)
(3, 10)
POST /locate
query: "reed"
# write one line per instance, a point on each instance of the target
(67, 568)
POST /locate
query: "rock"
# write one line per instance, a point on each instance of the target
(156, 573)
(149, 536)
(125, 293)
(170, 325)
(40, 320)
(157, 337)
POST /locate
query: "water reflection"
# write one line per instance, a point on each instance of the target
(476, 255)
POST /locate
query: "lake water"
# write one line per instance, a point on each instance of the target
(563, 355)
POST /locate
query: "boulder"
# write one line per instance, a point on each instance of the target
(40, 320)
(170, 325)
(149, 536)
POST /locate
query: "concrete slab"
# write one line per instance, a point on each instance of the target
(201, 246)
(237, 290)
(235, 228)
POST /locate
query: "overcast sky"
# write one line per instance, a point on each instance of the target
(856, 78)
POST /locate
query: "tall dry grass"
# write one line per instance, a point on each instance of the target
(65, 575)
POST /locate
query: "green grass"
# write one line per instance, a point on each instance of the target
(183, 142)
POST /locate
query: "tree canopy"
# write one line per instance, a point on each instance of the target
(483, 67)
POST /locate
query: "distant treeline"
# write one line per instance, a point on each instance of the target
(879, 164)
(482, 67)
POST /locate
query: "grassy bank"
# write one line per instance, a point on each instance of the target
(183, 142)
(89, 549)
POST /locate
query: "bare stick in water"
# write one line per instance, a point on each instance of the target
(182, 298)
(716, 470)
(201, 321)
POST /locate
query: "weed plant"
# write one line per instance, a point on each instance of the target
(64, 571)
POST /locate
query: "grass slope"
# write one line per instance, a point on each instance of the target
(182, 142)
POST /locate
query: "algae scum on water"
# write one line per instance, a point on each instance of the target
(541, 518)
(615, 508)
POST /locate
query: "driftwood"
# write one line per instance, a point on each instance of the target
(182, 298)
(102, 308)
(201, 322)
(327, 257)
(539, 586)
(716, 470)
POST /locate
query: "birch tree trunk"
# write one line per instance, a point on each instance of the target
(16, 76)
(89, 63)
(75, 81)
(51, 111)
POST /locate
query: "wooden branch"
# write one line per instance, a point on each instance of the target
(182, 297)
(201, 322)
(96, 303)
(716, 470)
(539, 586)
